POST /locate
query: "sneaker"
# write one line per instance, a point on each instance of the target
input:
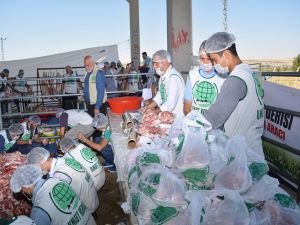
(112, 169)
(107, 165)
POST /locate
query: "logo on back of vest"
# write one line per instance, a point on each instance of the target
(74, 164)
(88, 155)
(8, 146)
(64, 198)
(259, 89)
(25, 137)
(204, 94)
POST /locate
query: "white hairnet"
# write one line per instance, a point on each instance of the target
(67, 143)
(25, 176)
(35, 119)
(16, 129)
(163, 55)
(100, 121)
(37, 155)
(219, 42)
(202, 48)
(59, 112)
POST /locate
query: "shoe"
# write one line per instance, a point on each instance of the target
(107, 165)
(112, 169)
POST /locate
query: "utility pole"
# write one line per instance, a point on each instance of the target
(2, 47)
(225, 15)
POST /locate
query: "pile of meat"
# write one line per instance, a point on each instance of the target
(151, 123)
(9, 205)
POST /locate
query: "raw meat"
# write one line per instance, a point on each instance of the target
(166, 117)
(9, 205)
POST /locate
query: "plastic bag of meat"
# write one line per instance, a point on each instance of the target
(170, 190)
(257, 165)
(149, 180)
(9, 205)
(198, 205)
(227, 207)
(169, 216)
(236, 175)
(166, 117)
(289, 210)
(263, 190)
(218, 152)
(194, 153)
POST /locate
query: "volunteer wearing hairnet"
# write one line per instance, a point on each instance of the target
(202, 85)
(239, 106)
(171, 85)
(54, 201)
(101, 144)
(68, 170)
(76, 120)
(31, 139)
(9, 137)
(86, 157)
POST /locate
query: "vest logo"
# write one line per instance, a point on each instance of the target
(25, 137)
(163, 92)
(64, 198)
(8, 146)
(88, 155)
(204, 94)
(74, 164)
(259, 89)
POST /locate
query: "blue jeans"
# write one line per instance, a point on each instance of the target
(106, 152)
(25, 149)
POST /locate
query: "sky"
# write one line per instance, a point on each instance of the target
(264, 29)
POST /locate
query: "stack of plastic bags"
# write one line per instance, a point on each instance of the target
(202, 178)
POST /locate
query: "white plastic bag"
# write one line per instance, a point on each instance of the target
(149, 180)
(257, 165)
(170, 190)
(194, 153)
(263, 190)
(218, 151)
(227, 207)
(168, 216)
(198, 205)
(235, 175)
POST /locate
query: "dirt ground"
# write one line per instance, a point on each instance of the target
(110, 212)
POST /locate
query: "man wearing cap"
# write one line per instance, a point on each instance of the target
(202, 85)
(94, 86)
(9, 137)
(171, 85)
(68, 170)
(70, 85)
(238, 108)
(86, 157)
(54, 201)
(101, 144)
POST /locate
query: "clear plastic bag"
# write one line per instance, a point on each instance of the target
(218, 151)
(194, 153)
(227, 207)
(198, 205)
(257, 165)
(165, 215)
(170, 190)
(263, 190)
(140, 205)
(149, 180)
(235, 175)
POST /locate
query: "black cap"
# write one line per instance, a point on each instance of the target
(5, 71)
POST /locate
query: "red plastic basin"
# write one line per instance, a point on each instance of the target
(122, 104)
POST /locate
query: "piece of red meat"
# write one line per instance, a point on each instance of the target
(166, 117)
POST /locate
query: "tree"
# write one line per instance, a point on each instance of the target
(296, 63)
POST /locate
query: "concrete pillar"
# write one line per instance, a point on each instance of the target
(179, 33)
(134, 31)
